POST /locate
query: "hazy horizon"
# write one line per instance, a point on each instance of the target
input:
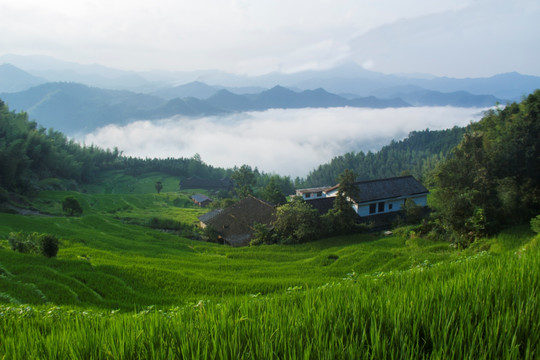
(462, 38)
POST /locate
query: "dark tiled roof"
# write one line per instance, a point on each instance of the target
(389, 188)
(373, 190)
(200, 198)
(209, 215)
(235, 223)
(322, 205)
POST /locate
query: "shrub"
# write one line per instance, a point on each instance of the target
(22, 242)
(48, 245)
(262, 235)
(535, 224)
(34, 243)
(210, 234)
(297, 222)
(71, 205)
(180, 228)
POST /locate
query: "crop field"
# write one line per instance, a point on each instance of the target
(121, 289)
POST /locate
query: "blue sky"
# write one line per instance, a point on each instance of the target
(460, 38)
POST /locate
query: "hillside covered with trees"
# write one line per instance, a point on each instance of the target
(492, 178)
(33, 156)
(123, 274)
(417, 155)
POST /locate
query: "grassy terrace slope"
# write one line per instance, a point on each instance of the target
(361, 296)
(109, 257)
(107, 261)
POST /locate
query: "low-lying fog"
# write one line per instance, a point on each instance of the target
(286, 142)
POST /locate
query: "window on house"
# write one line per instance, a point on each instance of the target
(307, 195)
(319, 194)
(372, 208)
(390, 206)
(381, 206)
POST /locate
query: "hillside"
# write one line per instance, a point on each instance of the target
(132, 279)
(13, 79)
(74, 108)
(136, 284)
(417, 154)
(348, 78)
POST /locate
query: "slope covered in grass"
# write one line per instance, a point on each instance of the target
(120, 289)
(480, 306)
(109, 257)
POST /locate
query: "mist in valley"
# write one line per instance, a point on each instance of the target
(286, 142)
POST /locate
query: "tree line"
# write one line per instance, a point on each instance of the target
(492, 178)
(489, 180)
(29, 153)
(415, 155)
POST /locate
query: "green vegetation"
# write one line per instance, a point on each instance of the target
(492, 178)
(126, 279)
(71, 206)
(416, 155)
(469, 305)
(34, 243)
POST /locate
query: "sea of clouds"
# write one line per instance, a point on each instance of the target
(286, 142)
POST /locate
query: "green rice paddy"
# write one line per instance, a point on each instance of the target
(119, 289)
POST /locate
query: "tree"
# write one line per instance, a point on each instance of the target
(535, 224)
(492, 177)
(341, 219)
(34, 243)
(48, 245)
(413, 213)
(210, 234)
(159, 186)
(244, 179)
(272, 193)
(71, 205)
(262, 235)
(297, 222)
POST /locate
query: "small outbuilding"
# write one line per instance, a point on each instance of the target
(201, 200)
(235, 224)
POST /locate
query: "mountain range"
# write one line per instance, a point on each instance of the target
(76, 98)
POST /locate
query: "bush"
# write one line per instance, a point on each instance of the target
(535, 224)
(48, 245)
(182, 229)
(71, 205)
(22, 242)
(262, 235)
(297, 222)
(34, 243)
(210, 234)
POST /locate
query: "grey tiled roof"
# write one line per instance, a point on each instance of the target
(396, 187)
(235, 223)
(200, 198)
(209, 215)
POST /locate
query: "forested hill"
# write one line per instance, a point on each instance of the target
(417, 154)
(31, 156)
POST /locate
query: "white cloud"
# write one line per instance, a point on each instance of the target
(287, 142)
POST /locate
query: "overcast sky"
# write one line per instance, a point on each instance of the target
(459, 38)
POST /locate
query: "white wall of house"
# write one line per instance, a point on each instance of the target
(313, 195)
(387, 206)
